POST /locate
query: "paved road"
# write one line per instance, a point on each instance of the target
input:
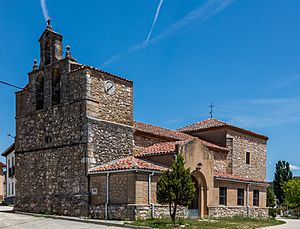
(11, 220)
(290, 224)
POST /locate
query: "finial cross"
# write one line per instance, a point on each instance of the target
(211, 110)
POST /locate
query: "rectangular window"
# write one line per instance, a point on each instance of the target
(223, 196)
(8, 188)
(240, 197)
(255, 198)
(248, 158)
(12, 188)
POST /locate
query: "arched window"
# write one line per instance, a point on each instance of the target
(56, 87)
(39, 89)
(47, 52)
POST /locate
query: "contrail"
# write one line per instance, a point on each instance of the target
(45, 10)
(202, 13)
(154, 21)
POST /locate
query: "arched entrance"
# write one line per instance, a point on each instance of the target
(198, 207)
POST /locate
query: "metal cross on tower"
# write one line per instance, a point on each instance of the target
(211, 110)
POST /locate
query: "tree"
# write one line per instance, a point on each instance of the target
(282, 174)
(175, 187)
(291, 190)
(270, 197)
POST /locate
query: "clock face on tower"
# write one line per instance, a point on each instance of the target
(109, 87)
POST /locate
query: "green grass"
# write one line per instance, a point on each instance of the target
(232, 223)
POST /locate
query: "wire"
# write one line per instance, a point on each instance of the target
(14, 86)
(11, 85)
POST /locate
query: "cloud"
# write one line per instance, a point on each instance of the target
(154, 20)
(205, 11)
(44, 9)
(294, 167)
(257, 113)
(285, 82)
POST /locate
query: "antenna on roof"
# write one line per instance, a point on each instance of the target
(211, 110)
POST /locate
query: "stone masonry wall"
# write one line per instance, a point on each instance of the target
(133, 212)
(108, 141)
(220, 161)
(243, 143)
(52, 181)
(143, 140)
(60, 125)
(117, 107)
(221, 212)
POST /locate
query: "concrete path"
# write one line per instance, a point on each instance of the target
(11, 220)
(6, 209)
(290, 224)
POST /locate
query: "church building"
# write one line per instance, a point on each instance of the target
(80, 153)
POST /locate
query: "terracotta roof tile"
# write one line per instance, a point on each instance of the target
(160, 148)
(215, 123)
(2, 164)
(128, 163)
(160, 131)
(223, 175)
(172, 135)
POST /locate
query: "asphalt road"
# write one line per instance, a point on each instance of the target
(11, 220)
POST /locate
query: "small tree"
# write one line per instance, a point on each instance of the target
(176, 187)
(270, 197)
(291, 190)
(282, 174)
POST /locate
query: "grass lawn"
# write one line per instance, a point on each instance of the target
(233, 223)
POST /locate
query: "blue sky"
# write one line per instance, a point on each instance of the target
(242, 55)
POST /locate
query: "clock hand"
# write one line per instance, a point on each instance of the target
(108, 89)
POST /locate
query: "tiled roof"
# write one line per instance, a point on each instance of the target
(2, 164)
(215, 123)
(214, 147)
(99, 70)
(170, 134)
(128, 163)
(160, 131)
(227, 176)
(160, 148)
(8, 150)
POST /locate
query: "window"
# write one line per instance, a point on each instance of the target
(223, 196)
(8, 188)
(39, 90)
(229, 143)
(255, 198)
(47, 52)
(248, 158)
(56, 87)
(12, 188)
(240, 197)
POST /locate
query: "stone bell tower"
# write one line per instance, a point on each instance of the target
(69, 118)
(50, 46)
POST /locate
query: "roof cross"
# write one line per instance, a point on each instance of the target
(211, 110)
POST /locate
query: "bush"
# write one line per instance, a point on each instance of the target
(273, 212)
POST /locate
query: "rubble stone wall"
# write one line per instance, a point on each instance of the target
(108, 141)
(52, 181)
(221, 212)
(133, 212)
(243, 143)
